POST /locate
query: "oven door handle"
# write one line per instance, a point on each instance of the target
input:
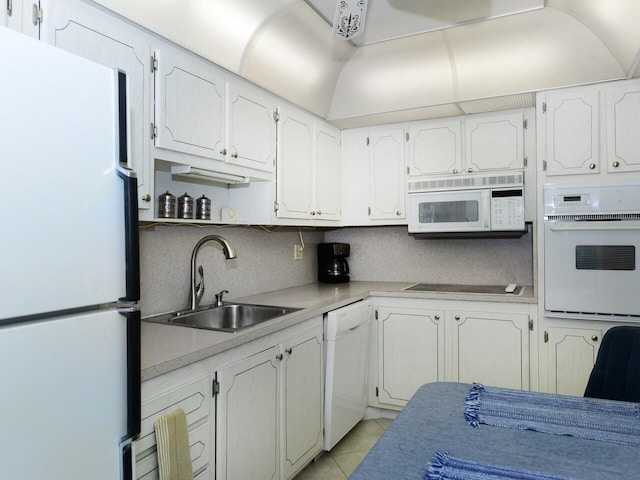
(595, 227)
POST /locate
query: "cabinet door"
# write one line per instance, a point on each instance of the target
(410, 352)
(295, 165)
(189, 105)
(494, 142)
(435, 147)
(387, 179)
(354, 155)
(490, 348)
(623, 125)
(94, 35)
(327, 172)
(251, 128)
(247, 418)
(302, 401)
(571, 354)
(572, 132)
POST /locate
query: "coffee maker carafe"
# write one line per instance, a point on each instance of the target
(332, 262)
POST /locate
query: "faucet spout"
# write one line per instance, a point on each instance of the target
(229, 253)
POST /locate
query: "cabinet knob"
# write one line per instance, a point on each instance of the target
(457, 317)
(313, 213)
(234, 155)
(470, 170)
(616, 164)
(319, 212)
(592, 166)
(146, 198)
(279, 356)
(594, 338)
(288, 350)
(455, 170)
(437, 317)
(398, 213)
(223, 151)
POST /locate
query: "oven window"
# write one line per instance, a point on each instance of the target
(605, 257)
(461, 211)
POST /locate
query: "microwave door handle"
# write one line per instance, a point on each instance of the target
(594, 228)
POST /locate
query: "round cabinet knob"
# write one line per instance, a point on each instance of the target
(592, 166)
(455, 170)
(288, 350)
(398, 213)
(616, 164)
(146, 198)
(279, 356)
(437, 317)
(470, 170)
(234, 155)
(223, 151)
(594, 338)
(319, 212)
(457, 317)
(313, 213)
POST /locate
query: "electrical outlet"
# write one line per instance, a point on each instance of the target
(298, 252)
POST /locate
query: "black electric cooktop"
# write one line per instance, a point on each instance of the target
(454, 288)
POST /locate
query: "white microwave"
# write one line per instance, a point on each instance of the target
(458, 206)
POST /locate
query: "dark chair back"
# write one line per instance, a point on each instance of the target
(616, 374)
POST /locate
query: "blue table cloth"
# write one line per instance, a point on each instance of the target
(434, 421)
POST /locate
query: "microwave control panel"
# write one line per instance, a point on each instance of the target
(507, 209)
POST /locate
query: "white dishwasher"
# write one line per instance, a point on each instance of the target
(347, 343)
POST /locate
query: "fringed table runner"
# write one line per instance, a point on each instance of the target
(591, 418)
(445, 467)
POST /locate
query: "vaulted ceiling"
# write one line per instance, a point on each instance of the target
(489, 62)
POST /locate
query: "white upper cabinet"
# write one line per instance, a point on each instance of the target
(308, 167)
(623, 123)
(251, 128)
(87, 32)
(189, 105)
(387, 177)
(494, 141)
(435, 147)
(572, 130)
(467, 144)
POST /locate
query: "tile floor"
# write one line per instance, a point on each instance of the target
(343, 459)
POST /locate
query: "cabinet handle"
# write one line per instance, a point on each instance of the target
(437, 317)
(457, 317)
(288, 350)
(616, 164)
(470, 170)
(223, 151)
(10, 7)
(319, 212)
(455, 170)
(592, 166)
(594, 338)
(234, 155)
(398, 213)
(279, 356)
(146, 198)
(313, 213)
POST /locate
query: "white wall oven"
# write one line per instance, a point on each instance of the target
(467, 204)
(591, 246)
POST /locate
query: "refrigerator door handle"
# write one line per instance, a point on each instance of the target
(134, 395)
(132, 251)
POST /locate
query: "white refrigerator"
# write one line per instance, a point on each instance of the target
(69, 269)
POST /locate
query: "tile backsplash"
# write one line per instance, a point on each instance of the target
(265, 260)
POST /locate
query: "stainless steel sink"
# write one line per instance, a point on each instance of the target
(229, 317)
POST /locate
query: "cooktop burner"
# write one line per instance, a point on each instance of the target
(454, 288)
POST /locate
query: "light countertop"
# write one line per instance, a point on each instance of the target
(167, 347)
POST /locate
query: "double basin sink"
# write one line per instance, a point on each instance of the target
(229, 317)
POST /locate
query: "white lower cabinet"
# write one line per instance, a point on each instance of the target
(422, 341)
(269, 410)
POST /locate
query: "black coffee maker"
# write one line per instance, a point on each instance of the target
(332, 262)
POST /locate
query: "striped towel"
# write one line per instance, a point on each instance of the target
(172, 439)
(592, 418)
(445, 467)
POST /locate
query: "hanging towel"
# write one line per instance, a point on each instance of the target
(172, 439)
(592, 418)
(445, 467)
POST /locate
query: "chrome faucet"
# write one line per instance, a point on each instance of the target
(197, 291)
